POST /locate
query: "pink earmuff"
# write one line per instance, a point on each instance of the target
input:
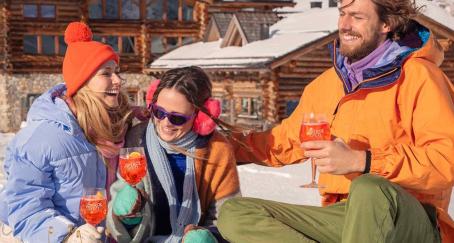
(150, 92)
(203, 124)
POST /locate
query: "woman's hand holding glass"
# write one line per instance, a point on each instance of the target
(85, 233)
(93, 209)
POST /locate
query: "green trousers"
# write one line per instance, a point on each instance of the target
(375, 211)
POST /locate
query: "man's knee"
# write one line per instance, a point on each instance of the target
(232, 213)
(371, 186)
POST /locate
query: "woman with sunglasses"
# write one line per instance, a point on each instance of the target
(73, 133)
(191, 167)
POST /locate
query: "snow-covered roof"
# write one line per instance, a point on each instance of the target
(294, 31)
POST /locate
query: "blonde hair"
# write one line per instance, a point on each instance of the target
(99, 121)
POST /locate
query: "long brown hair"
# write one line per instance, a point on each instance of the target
(99, 121)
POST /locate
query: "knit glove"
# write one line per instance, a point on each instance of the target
(197, 234)
(128, 204)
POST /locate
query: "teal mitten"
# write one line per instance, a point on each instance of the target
(199, 236)
(127, 203)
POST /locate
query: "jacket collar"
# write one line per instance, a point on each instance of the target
(387, 73)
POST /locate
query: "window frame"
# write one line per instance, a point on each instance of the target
(103, 38)
(165, 45)
(39, 44)
(181, 11)
(39, 11)
(252, 107)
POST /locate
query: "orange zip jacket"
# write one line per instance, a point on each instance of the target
(404, 114)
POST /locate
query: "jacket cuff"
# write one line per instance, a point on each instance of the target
(377, 162)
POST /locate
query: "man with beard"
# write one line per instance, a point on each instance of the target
(388, 170)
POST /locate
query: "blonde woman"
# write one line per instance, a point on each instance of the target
(73, 134)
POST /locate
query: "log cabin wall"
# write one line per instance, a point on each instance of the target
(4, 63)
(140, 30)
(448, 64)
(243, 95)
(32, 24)
(296, 74)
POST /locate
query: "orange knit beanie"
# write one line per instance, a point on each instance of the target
(83, 56)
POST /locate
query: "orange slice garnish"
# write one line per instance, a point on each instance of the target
(99, 195)
(135, 155)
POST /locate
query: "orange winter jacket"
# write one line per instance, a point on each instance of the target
(403, 113)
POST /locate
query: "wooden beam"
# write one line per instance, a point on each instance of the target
(180, 10)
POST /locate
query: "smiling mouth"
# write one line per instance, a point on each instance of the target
(112, 92)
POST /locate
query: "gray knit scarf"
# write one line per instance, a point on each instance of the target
(190, 211)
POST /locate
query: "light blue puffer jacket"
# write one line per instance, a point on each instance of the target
(47, 165)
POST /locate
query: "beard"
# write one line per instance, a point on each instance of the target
(355, 53)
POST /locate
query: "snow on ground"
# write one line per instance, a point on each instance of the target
(278, 184)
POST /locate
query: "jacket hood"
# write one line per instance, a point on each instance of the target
(420, 43)
(50, 108)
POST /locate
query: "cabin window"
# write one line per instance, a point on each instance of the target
(44, 45)
(128, 45)
(332, 3)
(172, 13)
(157, 46)
(61, 45)
(133, 96)
(45, 11)
(26, 103)
(30, 10)
(30, 44)
(225, 107)
(187, 40)
(172, 43)
(120, 44)
(95, 9)
(154, 9)
(30, 99)
(112, 41)
(250, 107)
(161, 45)
(111, 9)
(98, 38)
(187, 12)
(316, 4)
(48, 45)
(114, 9)
(130, 9)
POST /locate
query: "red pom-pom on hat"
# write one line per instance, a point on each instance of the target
(77, 32)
